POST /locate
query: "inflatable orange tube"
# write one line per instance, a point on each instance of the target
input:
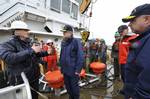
(55, 79)
(98, 67)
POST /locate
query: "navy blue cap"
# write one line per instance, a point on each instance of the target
(67, 28)
(138, 11)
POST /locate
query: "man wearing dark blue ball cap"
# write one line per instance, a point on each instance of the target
(137, 71)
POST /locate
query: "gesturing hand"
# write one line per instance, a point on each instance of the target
(36, 48)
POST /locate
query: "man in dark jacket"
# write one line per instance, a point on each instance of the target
(93, 49)
(71, 61)
(137, 80)
(20, 56)
(115, 55)
(103, 51)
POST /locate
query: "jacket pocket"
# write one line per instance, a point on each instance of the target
(73, 52)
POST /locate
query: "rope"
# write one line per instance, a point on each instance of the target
(40, 94)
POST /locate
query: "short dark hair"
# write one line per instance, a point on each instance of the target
(122, 28)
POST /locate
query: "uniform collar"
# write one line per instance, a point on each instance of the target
(139, 41)
(142, 35)
(146, 32)
(68, 41)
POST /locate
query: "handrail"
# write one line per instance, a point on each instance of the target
(14, 6)
(14, 13)
(9, 17)
(10, 8)
(27, 85)
(14, 88)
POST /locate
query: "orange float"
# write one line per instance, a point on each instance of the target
(55, 79)
(82, 74)
(98, 67)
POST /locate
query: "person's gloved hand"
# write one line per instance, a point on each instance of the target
(36, 48)
(76, 73)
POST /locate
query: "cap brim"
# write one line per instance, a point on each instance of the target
(63, 30)
(128, 19)
(20, 29)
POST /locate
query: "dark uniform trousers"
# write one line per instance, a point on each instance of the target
(72, 86)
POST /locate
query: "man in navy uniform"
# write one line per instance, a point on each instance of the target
(137, 80)
(71, 61)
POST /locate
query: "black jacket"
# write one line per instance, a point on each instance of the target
(19, 57)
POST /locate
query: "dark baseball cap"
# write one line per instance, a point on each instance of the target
(138, 11)
(122, 28)
(67, 28)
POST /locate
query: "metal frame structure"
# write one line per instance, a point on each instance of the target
(10, 92)
(91, 78)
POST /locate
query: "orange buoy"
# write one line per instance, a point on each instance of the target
(82, 74)
(55, 79)
(98, 67)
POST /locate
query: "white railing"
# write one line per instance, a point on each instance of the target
(10, 92)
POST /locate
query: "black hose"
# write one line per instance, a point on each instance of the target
(108, 77)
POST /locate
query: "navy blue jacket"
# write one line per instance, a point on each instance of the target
(19, 57)
(137, 70)
(71, 56)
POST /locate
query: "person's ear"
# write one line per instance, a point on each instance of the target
(16, 33)
(147, 19)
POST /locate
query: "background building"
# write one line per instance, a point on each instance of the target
(44, 17)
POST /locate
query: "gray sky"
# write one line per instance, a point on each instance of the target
(107, 15)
